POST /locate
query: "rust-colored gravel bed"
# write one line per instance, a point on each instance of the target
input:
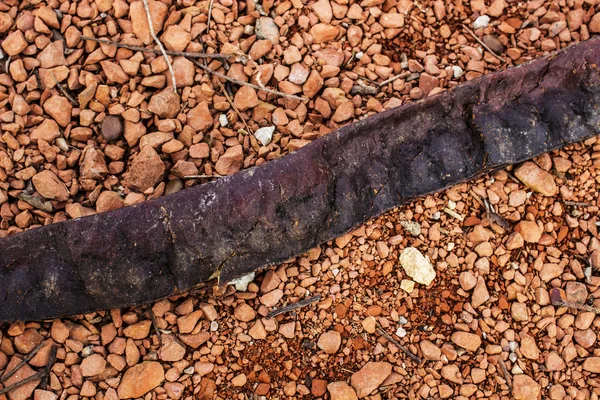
(490, 289)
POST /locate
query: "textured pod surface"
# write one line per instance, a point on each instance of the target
(267, 214)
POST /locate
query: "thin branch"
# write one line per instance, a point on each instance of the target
(485, 46)
(575, 305)
(238, 82)
(505, 373)
(201, 176)
(63, 91)
(232, 104)
(393, 78)
(396, 343)
(157, 51)
(48, 368)
(153, 319)
(577, 203)
(34, 377)
(210, 7)
(24, 361)
(293, 306)
(160, 45)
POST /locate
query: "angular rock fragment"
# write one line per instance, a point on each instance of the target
(417, 266)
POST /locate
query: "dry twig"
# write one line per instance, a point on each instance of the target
(577, 203)
(24, 361)
(393, 78)
(160, 45)
(63, 91)
(485, 46)
(153, 319)
(201, 176)
(396, 343)
(294, 306)
(575, 305)
(238, 82)
(41, 375)
(232, 104)
(505, 373)
(48, 368)
(186, 54)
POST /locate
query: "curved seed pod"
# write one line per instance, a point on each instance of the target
(267, 214)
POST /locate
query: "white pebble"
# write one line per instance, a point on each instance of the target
(241, 283)
(223, 120)
(189, 370)
(402, 320)
(214, 326)
(481, 22)
(458, 71)
(264, 135)
(401, 332)
(516, 370)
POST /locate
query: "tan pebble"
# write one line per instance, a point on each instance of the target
(146, 170)
(28, 340)
(322, 9)
(244, 313)
(594, 25)
(230, 162)
(330, 342)
(369, 377)
(369, 324)
(239, 380)
(200, 150)
(59, 108)
(108, 201)
(554, 362)
(468, 341)
(452, 373)
(529, 347)
(272, 298)
(176, 38)
(257, 331)
(140, 379)
(519, 312)
(187, 323)
(536, 178)
(592, 364)
(392, 20)
(171, 349)
(341, 391)
(323, 33)
(480, 293)
(48, 185)
(529, 230)
(430, 351)
(165, 103)
(14, 43)
(245, 98)
(288, 330)
(525, 388)
(93, 365)
(140, 27)
(138, 330)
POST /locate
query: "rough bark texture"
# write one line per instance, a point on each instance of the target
(267, 214)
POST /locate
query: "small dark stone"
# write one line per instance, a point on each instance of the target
(493, 43)
(112, 128)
